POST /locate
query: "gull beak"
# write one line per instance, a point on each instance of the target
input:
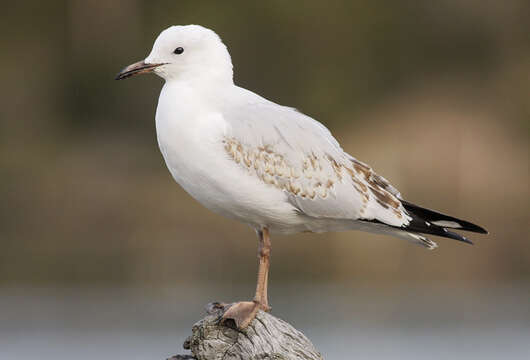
(139, 67)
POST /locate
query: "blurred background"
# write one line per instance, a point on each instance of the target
(102, 255)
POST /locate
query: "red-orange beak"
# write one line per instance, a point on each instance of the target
(139, 67)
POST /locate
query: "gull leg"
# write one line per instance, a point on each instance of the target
(243, 312)
(264, 256)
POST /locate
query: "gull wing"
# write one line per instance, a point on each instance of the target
(297, 154)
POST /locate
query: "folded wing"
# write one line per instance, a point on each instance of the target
(298, 155)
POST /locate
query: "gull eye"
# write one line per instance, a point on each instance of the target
(178, 50)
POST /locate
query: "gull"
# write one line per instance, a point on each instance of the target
(266, 165)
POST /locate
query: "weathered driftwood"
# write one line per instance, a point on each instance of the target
(266, 338)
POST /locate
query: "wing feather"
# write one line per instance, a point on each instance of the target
(297, 154)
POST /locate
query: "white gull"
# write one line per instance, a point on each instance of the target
(264, 164)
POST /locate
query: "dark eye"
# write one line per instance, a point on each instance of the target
(178, 51)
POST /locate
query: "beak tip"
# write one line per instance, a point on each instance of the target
(137, 68)
(124, 73)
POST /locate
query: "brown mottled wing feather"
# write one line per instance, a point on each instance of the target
(377, 179)
(298, 155)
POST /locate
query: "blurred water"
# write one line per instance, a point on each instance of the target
(343, 322)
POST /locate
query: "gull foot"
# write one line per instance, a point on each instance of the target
(242, 313)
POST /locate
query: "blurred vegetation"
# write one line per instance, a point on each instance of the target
(434, 95)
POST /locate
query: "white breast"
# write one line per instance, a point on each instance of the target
(190, 135)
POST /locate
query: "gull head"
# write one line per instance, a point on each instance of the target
(189, 52)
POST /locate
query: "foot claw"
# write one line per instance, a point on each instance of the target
(242, 313)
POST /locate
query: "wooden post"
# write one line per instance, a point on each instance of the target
(266, 338)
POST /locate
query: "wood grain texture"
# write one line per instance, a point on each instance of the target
(266, 338)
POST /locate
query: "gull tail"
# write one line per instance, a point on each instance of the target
(427, 221)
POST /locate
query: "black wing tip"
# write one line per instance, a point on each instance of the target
(455, 236)
(433, 216)
(421, 227)
(481, 230)
(468, 226)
